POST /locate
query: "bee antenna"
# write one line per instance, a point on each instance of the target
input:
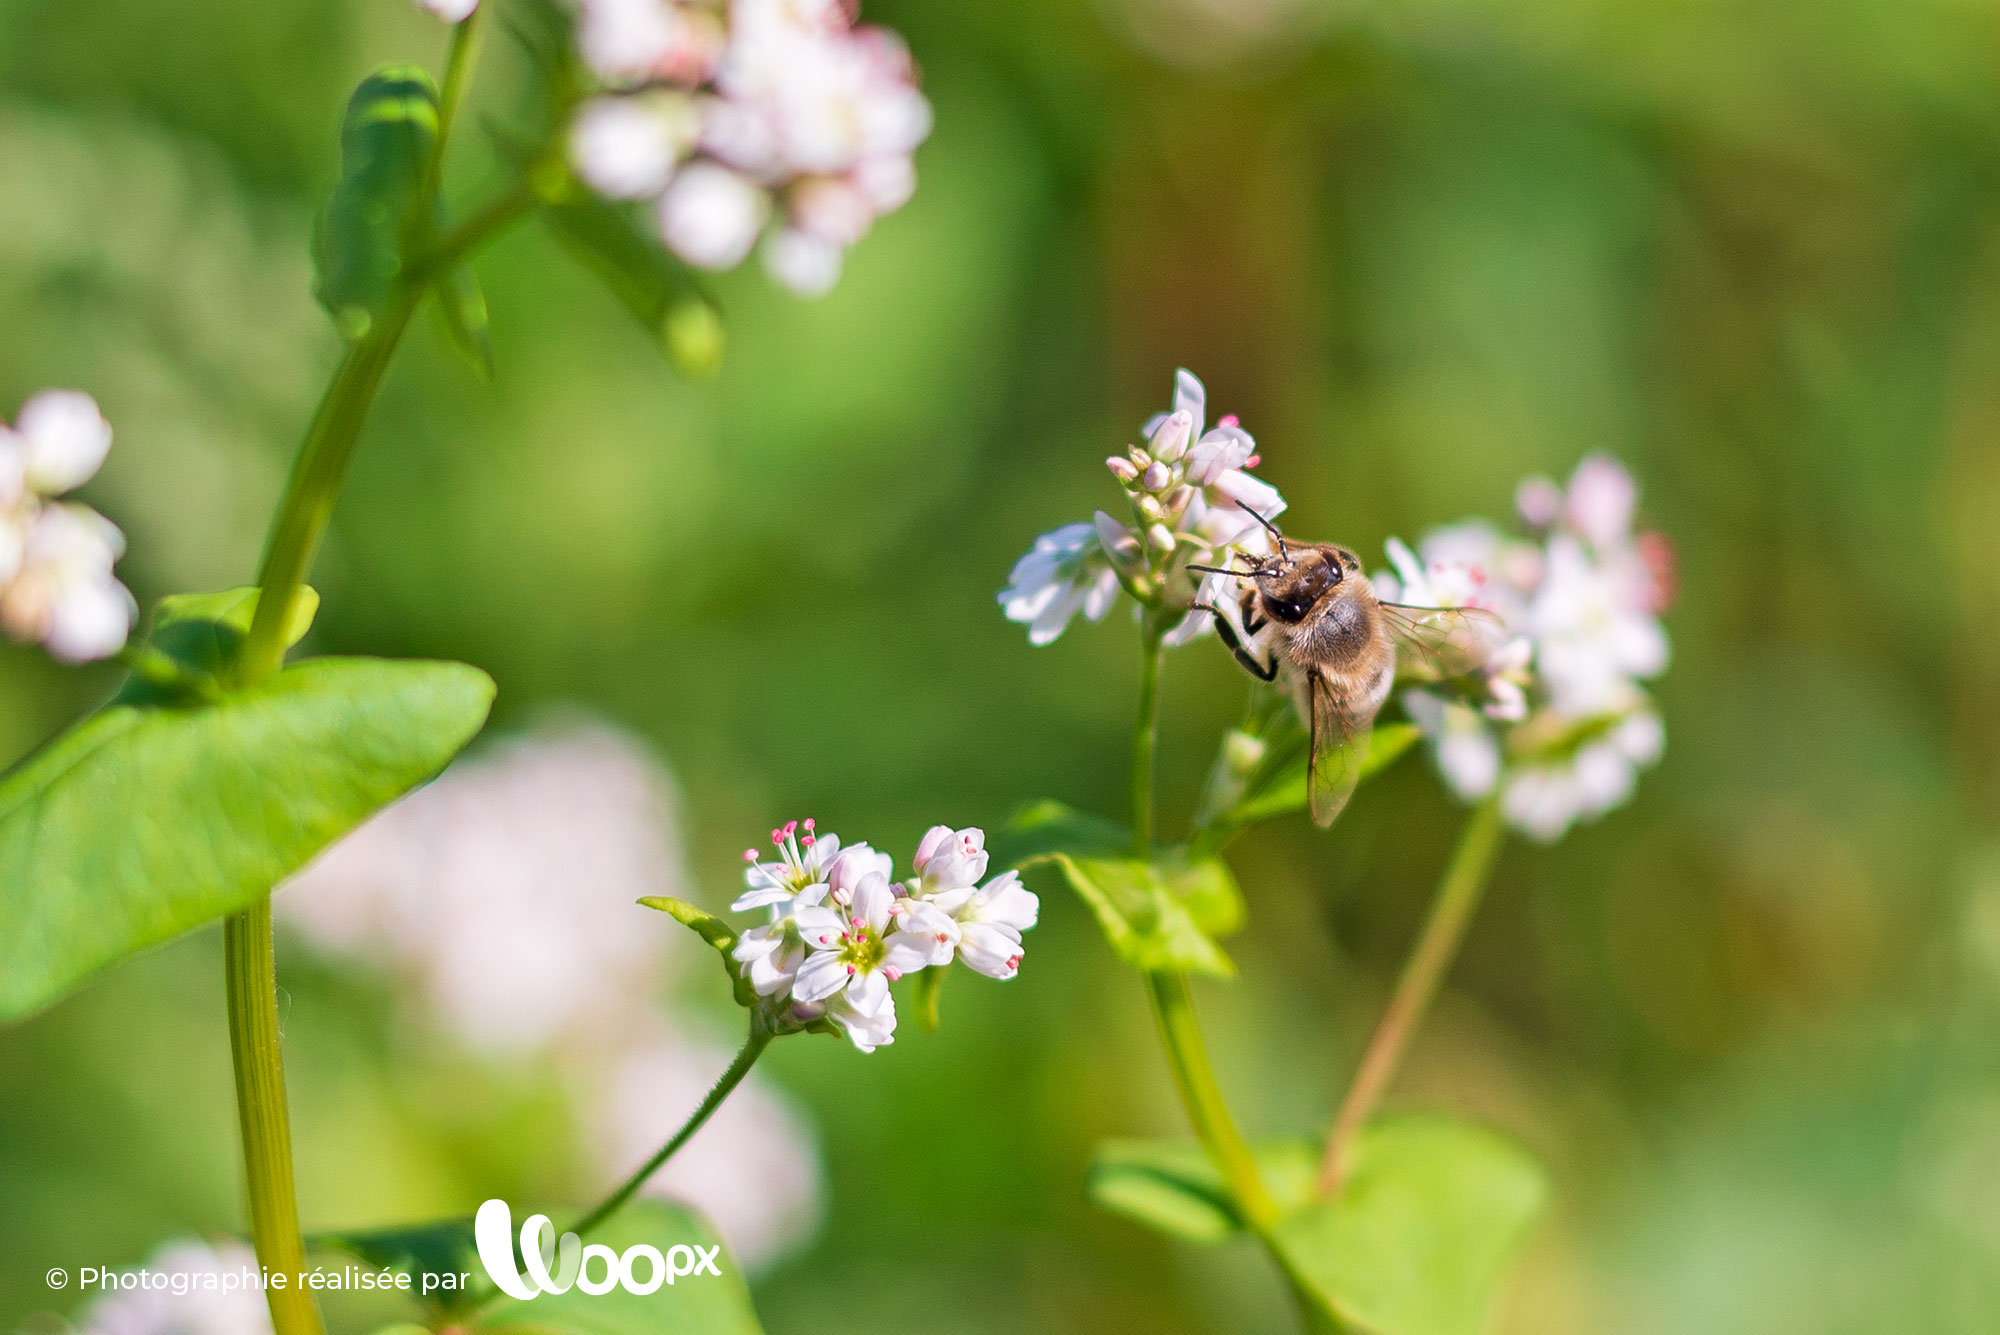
(1235, 574)
(1271, 528)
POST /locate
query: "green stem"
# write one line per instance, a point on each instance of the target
(500, 213)
(458, 67)
(1145, 736)
(1173, 1006)
(315, 483)
(1458, 896)
(260, 1109)
(753, 1048)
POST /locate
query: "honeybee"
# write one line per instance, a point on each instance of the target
(1340, 642)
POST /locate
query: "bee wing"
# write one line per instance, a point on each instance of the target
(1439, 643)
(1339, 746)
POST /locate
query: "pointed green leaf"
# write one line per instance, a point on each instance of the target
(147, 820)
(1146, 922)
(440, 1247)
(691, 1305)
(461, 307)
(236, 608)
(386, 143)
(656, 288)
(1279, 786)
(718, 933)
(1050, 827)
(1420, 1236)
(1174, 1187)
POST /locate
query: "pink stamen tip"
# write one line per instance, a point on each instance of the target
(777, 836)
(807, 841)
(822, 938)
(809, 822)
(749, 855)
(790, 827)
(1253, 461)
(1230, 419)
(850, 971)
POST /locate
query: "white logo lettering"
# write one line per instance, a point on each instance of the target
(493, 1231)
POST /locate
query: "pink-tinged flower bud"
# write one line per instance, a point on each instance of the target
(1156, 477)
(1170, 440)
(1141, 458)
(1539, 501)
(1123, 469)
(1161, 537)
(1149, 509)
(1600, 503)
(1116, 539)
(1178, 498)
(935, 838)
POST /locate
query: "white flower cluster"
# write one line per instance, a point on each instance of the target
(841, 929)
(57, 588)
(501, 900)
(1189, 491)
(195, 1289)
(1560, 723)
(780, 119)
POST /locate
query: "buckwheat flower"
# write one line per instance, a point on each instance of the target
(1543, 799)
(63, 594)
(990, 922)
(949, 859)
(805, 862)
(207, 1290)
(628, 147)
(856, 948)
(633, 42)
(1594, 626)
(710, 215)
(64, 439)
(1065, 572)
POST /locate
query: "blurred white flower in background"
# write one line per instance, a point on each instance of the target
(451, 11)
(1190, 494)
(501, 900)
(1558, 720)
(202, 1307)
(735, 117)
(57, 586)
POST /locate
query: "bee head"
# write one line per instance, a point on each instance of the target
(1290, 585)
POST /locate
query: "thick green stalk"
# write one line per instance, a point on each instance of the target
(1458, 896)
(752, 1049)
(303, 514)
(315, 484)
(260, 1110)
(1145, 736)
(1173, 1006)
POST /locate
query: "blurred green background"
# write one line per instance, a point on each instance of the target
(1752, 248)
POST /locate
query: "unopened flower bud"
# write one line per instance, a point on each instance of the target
(1242, 752)
(1140, 458)
(1178, 498)
(1122, 468)
(1156, 477)
(1161, 537)
(1149, 509)
(1170, 440)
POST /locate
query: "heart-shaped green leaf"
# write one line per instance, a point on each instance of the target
(1173, 1186)
(1421, 1234)
(702, 1304)
(1144, 915)
(149, 819)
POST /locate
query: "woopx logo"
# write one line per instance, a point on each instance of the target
(493, 1230)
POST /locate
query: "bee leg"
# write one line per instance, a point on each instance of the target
(1267, 671)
